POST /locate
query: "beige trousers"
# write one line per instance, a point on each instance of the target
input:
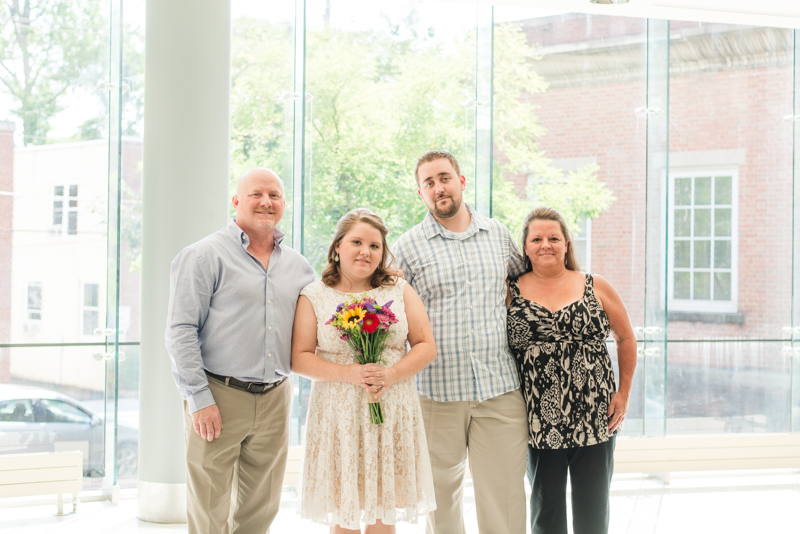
(493, 434)
(254, 443)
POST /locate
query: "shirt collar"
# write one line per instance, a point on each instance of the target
(432, 227)
(243, 239)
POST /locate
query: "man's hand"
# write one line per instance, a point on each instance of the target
(207, 423)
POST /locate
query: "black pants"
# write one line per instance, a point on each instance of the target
(590, 469)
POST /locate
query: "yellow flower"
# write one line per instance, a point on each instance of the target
(351, 318)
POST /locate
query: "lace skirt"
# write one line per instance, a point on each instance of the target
(355, 472)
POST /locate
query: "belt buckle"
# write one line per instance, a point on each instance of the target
(254, 387)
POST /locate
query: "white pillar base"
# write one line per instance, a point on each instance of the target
(162, 503)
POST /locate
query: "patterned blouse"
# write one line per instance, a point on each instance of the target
(565, 370)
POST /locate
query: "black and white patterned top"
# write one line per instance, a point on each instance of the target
(565, 370)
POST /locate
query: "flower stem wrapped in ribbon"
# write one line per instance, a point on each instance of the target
(364, 325)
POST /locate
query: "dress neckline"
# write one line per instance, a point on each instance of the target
(562, 308)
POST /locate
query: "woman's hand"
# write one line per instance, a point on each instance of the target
(617, 410)
(381, 378)
(369, 376)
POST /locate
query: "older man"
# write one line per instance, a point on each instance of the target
(229, 331)
(458, 262)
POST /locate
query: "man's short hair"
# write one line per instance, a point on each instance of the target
(434, 155)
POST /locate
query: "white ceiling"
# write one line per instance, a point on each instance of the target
(776, 13)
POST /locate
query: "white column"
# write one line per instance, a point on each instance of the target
(185, 198)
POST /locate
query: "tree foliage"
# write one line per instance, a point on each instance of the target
(45, 48)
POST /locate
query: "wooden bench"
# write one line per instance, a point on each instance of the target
(46, 473)
(706, 453)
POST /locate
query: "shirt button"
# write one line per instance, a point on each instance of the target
(270, 355)
(470, 307)
(269, 327)
(269, 302)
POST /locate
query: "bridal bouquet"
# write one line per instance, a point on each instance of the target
(364, 325)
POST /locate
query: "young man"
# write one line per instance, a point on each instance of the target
(232, 302)
(459, 262)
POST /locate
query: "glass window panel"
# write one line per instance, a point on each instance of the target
(73, 190)
(683, 288)
(71, 383)
(91, 295)
(702, 191)
(722, 254)
(72, 222)
(683, 223)
(702, 286)
(73, 203)
(16, 411)
(722, 286)
(683, 254)
(702, 254)
(579, 247)
(58, 212)
(722, 222)
(683, 191)
(56, 411)
(723, 189)
(90, 322)
(723, 86)
(702, 222)
(58, 190)
(34, 297)
(727, 388)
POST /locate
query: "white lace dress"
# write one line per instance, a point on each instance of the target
(355, 471)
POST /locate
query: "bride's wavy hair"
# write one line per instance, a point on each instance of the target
(332, 273)
(545, 213)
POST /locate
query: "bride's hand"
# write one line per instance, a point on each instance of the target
(363, 376)
(381, 378)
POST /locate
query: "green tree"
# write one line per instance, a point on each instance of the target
(379, 98)
(45, 48)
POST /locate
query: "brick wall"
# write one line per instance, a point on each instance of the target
(710, 109)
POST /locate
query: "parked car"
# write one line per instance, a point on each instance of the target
(40, 420)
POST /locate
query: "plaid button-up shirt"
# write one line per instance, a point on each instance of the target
(461, 279)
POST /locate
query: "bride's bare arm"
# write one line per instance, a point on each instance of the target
(305, 361)
(420, 337)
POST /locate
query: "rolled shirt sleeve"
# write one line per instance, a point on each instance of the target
(190, 291)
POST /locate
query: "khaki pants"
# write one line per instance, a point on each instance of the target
(495, 433)
(254, 441)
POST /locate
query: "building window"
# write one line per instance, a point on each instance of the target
(65, 206)
(702, 241)
(34, 301)
(582, 245)
(91, 308)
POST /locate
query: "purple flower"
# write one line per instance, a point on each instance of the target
(339, 308)
(369, 307)
(388, 304)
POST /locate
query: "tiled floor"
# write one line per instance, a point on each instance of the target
(707, 503)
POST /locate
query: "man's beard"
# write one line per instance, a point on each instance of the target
(455, 205)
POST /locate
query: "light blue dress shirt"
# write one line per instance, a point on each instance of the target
(461, 279)
(229, 315)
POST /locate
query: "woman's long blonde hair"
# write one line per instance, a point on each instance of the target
(332, 273)
(545, 213)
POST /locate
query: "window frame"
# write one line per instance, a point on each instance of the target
(28, 309)
(68, 211)
(697, 305)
